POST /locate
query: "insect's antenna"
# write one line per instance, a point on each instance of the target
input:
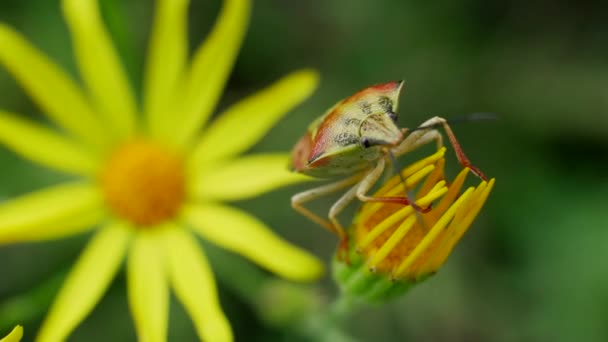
(408, 193)
(479, 116)
(460, 119)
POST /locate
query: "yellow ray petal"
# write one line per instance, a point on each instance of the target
(168, 50)
(390, 244)
(251, 118)
(60, 210)
(57, 95)
(14, 336)
(432, 234)
(210, 69)
(87, 282)
(43, 146)
(147, 286)
(401, 214)
(244, 177)
(100, 66)
(192, 279)
(242, 233)
(460, 227)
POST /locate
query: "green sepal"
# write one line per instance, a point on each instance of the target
(357, 282)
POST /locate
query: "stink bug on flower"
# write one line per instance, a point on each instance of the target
(353, 141)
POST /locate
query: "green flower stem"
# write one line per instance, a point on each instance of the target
(341, 308)
(325, 325)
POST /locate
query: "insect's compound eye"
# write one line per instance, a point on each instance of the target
(393, 116)
(365, 142)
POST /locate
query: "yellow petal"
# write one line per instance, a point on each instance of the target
(210, 69)
(100, 66)
(242, 233)
(244, 177)
(57, 95)
(15, 335)
(399, 215)
(168, 50)
(57, 211)
(194, 286)
(87, 282)
(457, 228)
(251, 118)
(432, 234)
(43, 146)
(147, 287)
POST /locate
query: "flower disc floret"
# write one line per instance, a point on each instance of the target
(143, 182)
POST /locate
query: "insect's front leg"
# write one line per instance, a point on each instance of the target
(426, 133)
(368, 182)
(419, 137)
(371, 178)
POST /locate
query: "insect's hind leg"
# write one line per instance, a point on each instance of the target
(426, 133)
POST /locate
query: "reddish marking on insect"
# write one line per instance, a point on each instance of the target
(320, 162)
(322, 138)
(385, 87)
(378, 89)
(301, 152)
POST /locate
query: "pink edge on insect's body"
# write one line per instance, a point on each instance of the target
(300, 155)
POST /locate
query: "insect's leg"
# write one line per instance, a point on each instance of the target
(368, 182)
(426, 133)
(299, 199)
(417, 138)
(334, 211)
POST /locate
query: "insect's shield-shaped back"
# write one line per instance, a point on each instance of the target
(334, 143)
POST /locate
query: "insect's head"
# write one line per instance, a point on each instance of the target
(380, 129)
(379, 126)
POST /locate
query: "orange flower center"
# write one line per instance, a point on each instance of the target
(143, 182)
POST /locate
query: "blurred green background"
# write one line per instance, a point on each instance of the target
(534, 266)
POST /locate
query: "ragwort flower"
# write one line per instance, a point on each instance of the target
(149, 180)
(395, 246)
(14, 336)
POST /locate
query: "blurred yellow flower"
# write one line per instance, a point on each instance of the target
(148, 180)
(14, 336)
(395, 246)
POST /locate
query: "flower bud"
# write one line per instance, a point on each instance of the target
(393, 246)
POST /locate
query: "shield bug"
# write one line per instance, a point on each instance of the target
(352, 143)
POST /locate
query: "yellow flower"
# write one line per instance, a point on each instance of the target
(148, 180)
(14, 336)
(395, 246)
